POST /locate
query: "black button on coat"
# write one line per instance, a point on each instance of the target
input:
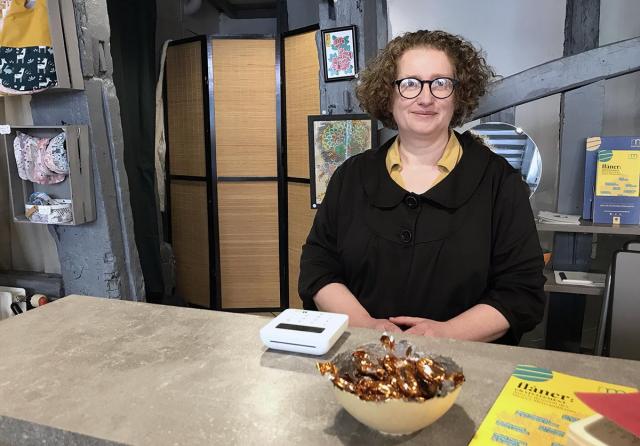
(470, 239)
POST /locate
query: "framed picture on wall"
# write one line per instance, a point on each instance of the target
(339, 53)
(332, 140)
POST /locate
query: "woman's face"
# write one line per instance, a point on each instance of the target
(424, 115)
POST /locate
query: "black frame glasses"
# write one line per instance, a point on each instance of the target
(454, 82)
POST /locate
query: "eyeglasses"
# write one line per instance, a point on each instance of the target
(440, 88)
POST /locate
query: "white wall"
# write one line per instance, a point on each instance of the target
(516, 35)
(620, 20)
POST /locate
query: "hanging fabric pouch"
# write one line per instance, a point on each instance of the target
(26, 55)
(35, 155)
(55, 155)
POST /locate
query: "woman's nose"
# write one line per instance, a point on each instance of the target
(425, 96)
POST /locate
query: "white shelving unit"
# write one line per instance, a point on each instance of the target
(585, 227)
(590, 228)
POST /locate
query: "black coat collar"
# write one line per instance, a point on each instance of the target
(452, 192)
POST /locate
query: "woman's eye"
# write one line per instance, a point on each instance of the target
(440, 83)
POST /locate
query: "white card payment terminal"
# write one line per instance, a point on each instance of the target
(303, 331)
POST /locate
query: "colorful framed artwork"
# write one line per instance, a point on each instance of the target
(332, 140)
(339, 53)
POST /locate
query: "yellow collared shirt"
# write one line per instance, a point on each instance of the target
(447, 162)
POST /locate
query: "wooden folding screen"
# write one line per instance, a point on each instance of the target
(302, 99)
(223, 167)
(222, 171)
(187, 174)
(244, 101)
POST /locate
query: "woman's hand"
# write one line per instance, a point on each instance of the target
(421, 326)
(336, 298)
(479, 323)
(383, 325)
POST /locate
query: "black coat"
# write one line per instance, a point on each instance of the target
(470, 239)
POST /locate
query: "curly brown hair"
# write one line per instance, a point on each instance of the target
(375, 87)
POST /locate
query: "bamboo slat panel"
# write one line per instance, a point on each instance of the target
(249, 260)
(302, 96)
(185, 115)
(300, 219)
(245, 106)
(189, 231)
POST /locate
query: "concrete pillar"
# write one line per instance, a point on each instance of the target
(98, 258)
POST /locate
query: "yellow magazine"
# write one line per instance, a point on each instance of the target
(618, 172)
(536, 407)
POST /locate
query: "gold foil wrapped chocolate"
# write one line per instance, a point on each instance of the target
(389, 369)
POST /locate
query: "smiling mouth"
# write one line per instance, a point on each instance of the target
(424, 113)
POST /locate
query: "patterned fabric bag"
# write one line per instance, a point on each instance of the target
(55, 156)
(35, 156)
(26, 55)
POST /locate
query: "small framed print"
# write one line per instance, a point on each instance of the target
(332, 140)
(339, 53)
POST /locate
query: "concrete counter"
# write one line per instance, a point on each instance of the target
(96, 371)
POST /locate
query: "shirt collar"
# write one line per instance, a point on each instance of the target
(452, 153)
(392, 159)
(449, 159)
(455, 189)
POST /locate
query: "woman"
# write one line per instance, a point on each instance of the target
(431, 233)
